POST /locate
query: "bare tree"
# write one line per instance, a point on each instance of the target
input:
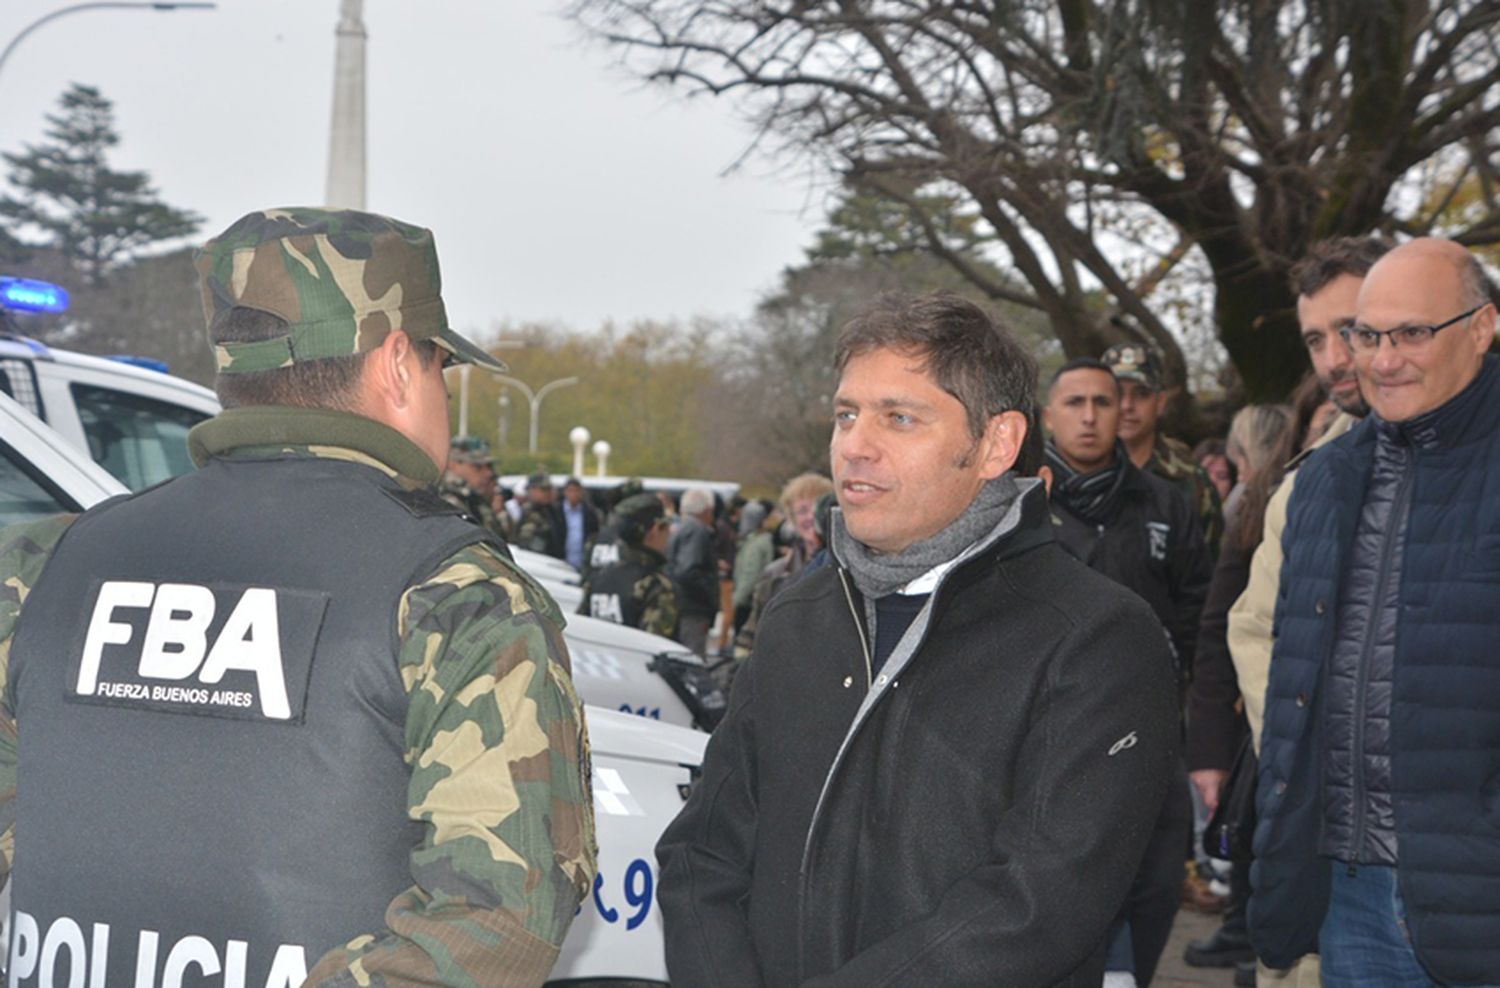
(773, 415)
(1099, 143)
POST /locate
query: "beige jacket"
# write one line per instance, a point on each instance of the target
(1251, 617)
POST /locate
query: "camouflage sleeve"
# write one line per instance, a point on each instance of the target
(500, 776)
(1210, 511)
(658, 605)
(532, 533)
(24, 550)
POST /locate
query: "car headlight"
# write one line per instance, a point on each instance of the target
(696, 686)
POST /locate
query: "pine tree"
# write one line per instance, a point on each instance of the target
(94, 216)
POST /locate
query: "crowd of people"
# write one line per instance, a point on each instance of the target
(1002, 681)
(1199, 535)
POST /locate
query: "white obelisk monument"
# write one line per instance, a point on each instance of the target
(346, 143)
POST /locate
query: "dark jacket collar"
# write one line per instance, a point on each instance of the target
(1463, 418)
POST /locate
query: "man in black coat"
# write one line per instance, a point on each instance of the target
(1142, 532)
(945, 755)
(1134, 527)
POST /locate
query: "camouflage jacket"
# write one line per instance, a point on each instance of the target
(475, 505)
(477, 665)
(652, 592)
(1173, 462)
(538, 530)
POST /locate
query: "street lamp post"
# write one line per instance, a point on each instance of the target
(579, 437)
(535, 398)
(79, 7)
(463, 398)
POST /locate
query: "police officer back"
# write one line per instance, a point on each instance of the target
(635, 589)
(293, 719)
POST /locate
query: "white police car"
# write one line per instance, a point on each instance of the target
(128, 414)
(643, 764)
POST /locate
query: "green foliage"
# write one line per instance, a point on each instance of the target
(94, 216)
(640, 389)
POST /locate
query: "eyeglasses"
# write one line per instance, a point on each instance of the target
(1366, 340)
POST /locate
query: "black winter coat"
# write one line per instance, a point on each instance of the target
(1154, 545)
(693, 567)
(972, 817)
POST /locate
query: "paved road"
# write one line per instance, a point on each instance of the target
(1173, 973)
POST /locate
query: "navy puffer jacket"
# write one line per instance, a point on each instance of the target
(1445, 704)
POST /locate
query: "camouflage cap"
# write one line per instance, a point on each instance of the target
(342, 280)
(470, 449)
(1133, 362)
(643, 509)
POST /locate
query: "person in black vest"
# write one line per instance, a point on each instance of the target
(943, 757)
(1377, 842)
(1142, 532)
(293, 719)
(635, 589)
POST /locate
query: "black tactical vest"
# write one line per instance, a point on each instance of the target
(212, 721)
(612, 588)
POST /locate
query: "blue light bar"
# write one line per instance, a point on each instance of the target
(30, 295)
(150, 363)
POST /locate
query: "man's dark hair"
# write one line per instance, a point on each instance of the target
(1335, 257)
(968, 354)
(1079, 363)
(1033, 450)
(329, 382)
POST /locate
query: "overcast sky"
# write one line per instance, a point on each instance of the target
(558, 188)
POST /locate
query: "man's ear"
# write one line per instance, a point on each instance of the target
(388, 370)
(386, 383)
(1002, 443)
(1484, 329)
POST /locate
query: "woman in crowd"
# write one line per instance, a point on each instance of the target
(1262, 438)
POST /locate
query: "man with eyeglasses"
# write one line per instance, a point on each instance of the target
(1378, 842)
(1326, 282)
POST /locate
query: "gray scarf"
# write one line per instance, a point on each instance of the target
(877, 574)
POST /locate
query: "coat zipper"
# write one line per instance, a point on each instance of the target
(1357, 753)
(812, 824)
(864, 643)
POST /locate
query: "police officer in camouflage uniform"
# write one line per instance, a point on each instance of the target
(469, 483)
(541, 526)
(292, 718)
(1142, 402)
(635, 590)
